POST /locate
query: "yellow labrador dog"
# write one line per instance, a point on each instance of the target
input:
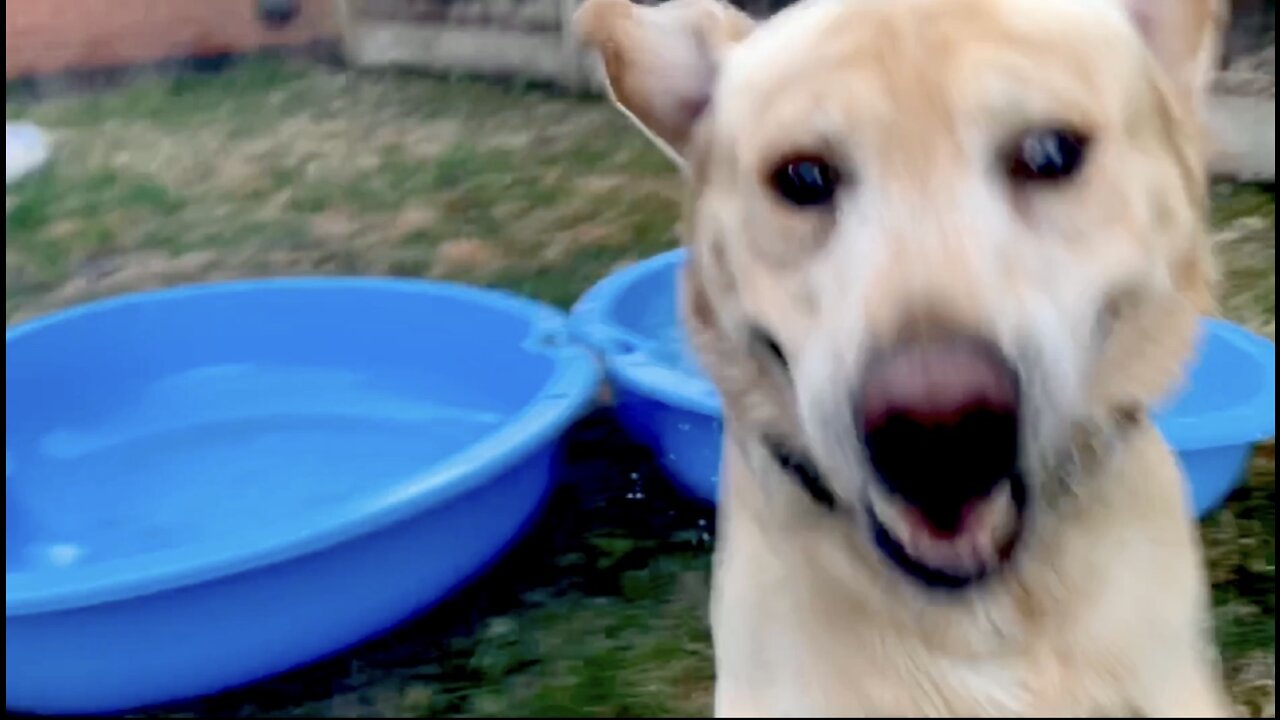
(943, 256)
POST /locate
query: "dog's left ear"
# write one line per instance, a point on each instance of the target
(661, 61)
(1185, 36)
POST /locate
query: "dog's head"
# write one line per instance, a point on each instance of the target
(933, 243)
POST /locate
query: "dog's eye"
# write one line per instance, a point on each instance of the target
(805, 181)
(1047, 155)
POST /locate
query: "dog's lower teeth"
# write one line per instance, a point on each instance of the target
(978, 545)
(958, 555)
(897, 524)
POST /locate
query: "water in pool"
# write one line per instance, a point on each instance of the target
(242, 452)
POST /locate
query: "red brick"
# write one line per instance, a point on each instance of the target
(45, 36)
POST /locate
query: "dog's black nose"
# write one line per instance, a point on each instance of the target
(939, 421)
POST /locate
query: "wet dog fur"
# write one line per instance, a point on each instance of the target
(859, 188)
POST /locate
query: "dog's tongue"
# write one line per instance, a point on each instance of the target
(969, 516)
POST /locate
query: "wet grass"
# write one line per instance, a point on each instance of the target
(277, 168)
(273, 168)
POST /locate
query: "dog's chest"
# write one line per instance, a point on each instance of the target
(797, 668)
(922, 686)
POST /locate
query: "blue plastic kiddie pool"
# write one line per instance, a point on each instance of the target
(211, 484)
(665, 400)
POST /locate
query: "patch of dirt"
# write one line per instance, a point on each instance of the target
(333, 226)
(413, 219)
(511, 140)
(564, 244)
(465, 256)
(144, 270)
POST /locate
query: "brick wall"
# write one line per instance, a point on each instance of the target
(48, 36)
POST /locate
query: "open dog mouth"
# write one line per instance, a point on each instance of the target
(982, 541)
(939, 422)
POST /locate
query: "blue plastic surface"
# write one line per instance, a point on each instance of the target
(1226, 406)
(215, 483)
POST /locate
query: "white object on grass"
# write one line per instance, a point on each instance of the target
(26, 148)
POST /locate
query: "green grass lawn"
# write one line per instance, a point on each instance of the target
(281, 168)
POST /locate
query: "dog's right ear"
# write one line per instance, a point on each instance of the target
(1185, 37)
(660, 61)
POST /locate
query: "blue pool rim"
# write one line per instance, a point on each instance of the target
(569, 392)
(626, 358)
(625, 353)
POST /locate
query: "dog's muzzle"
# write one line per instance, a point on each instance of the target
(938, 419)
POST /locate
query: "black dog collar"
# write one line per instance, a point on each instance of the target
(803, 470)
